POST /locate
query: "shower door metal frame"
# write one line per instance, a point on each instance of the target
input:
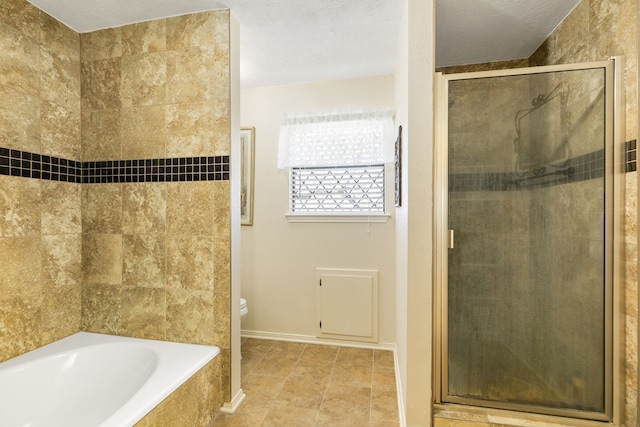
(614, 240)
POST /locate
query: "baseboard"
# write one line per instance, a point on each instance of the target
(310, 339)
(401, 415)
(232, 407)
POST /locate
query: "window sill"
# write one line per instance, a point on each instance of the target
(337, 218)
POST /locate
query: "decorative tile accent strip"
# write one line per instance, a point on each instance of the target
(30, 165)
(581, 168)
(211, 168)
(630, 159)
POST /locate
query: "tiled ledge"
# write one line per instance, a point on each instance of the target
(446, 415)
(178, 169)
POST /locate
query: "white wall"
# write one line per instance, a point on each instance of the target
(414, 239)
(279, 258)
(402, 231)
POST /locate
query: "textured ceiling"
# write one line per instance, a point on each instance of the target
(294, 41)
(470, 32)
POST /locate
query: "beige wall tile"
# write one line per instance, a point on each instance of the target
(222, 266)
(222, 210)
(144, 207)
(22, 75)
(21, 320)
(20, 204)
(192, 30)
(61, 312)
(101, 135)
(144, 79)
(189, 208)
(60, 131)
(58, 37)
(19, 120)
(144, 134)
(62, 261)
(102, 208)
(221, 72)
(190, 316)
(60, 79)
(144, 37)
(101, 44)
(20, 15)
(144, 261)
(101, 84)
(61, 207)
(143, 312)
(222, 324)
(190, 75)
(22, 262)
(190, 129)
(102, 259)
(101, 308)
(190, 262)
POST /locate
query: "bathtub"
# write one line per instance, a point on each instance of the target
(90, 379)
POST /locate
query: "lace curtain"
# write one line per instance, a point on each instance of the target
(340, 138)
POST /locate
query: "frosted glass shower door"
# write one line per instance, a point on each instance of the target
(526, 317)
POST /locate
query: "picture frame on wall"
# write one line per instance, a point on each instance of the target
(247, 150)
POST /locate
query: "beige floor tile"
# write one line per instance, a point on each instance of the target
(248, 362)
(291, 348)
(255, 345)
(275, 364)
(292, 384)
(318, 354)
(383, 376)
(346, 401)
(383, 359)
(384, 403)
(352, 374)
(320, 373)
(303, 392)
(351, 355)
(279, 416)
(377, 422)
(328, 420)
(262, 389)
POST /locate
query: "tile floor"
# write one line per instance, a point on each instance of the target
(292, 384)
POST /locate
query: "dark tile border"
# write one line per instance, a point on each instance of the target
(31, 165)
(630, 159)
(580, 168)
(178, 169)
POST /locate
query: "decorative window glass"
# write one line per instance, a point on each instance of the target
(336, 160)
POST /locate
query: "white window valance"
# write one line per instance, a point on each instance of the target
(339, 138)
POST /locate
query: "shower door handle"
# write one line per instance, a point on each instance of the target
(450, 234)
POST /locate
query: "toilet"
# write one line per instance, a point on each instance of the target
(243, 308)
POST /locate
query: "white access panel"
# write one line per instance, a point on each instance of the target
(347, 304)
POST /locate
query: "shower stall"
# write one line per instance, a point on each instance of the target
(527, 177)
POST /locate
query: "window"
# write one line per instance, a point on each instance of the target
(337, 189)
(337, 161)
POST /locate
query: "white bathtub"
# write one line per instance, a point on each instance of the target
(89, 379)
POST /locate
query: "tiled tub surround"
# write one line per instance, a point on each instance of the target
(156, 253)
(146, 259)
(96, 379)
